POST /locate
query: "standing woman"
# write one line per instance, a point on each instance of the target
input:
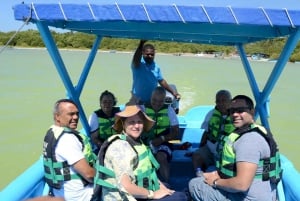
(126, 169)
(101, 120)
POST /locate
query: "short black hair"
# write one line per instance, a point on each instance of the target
(247, 99)
(148, 46)
(108, 93)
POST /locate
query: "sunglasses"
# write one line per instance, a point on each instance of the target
(238, 110)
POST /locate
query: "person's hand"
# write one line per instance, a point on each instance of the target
(210, 177)
(177, 96)
(162, 192)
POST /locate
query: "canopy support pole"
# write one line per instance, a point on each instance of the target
(254, 87)
(286, 52)
(88, 64)
(262, 98)
(73, 92)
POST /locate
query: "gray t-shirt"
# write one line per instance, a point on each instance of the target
(251, 147)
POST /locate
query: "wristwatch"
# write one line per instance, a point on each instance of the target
(150, 194)
(215, 183)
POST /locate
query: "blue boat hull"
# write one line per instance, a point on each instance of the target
(31, 183)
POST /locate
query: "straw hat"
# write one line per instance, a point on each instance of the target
(130, 111)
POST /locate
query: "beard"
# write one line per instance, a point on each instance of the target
(148, 60)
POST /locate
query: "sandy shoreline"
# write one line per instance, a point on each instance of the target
(200, 55)
(127, 52)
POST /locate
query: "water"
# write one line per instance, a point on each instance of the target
(29, 86)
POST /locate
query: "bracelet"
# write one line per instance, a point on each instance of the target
(162, 138)
(150, 194)
(214, 184)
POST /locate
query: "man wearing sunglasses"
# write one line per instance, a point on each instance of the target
(249, 164)
(146, 75)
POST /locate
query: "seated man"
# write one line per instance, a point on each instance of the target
(68, 155)
(249, 164)
(166, 128)
(217, 123)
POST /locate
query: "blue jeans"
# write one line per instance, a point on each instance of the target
(200, 191)
(176, 196)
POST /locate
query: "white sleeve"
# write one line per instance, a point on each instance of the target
(69, 149)
(172, 116)
(93, 122)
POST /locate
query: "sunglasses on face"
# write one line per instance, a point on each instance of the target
(238, 110)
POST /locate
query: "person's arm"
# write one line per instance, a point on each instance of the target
(203, 139)
(69, 149)
(139, 192)
(95, 138)
(204, 126)
(85, 170)
(165, 85)
(240, 183)
(174, 129)
(136, 60)
(174, 132)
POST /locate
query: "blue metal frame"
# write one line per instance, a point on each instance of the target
(262, 98)
(73, 91)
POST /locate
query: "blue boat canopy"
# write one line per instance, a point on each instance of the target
(218, 22)
(206, 21)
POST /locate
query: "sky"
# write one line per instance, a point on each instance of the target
(7, 20)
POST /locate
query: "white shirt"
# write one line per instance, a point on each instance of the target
(69, 149)
(93, 122)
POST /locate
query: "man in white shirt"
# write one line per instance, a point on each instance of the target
(68, 157)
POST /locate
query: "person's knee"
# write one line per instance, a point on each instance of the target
(161, 157)
(192, 182)
(195, 183)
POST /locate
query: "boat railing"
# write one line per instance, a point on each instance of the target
(29, 184)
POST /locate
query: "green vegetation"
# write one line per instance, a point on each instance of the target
(31, 38)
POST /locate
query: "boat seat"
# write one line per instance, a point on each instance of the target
(192, 135)
(195, 116)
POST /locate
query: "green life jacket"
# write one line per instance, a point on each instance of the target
(271, 166)
(89, 155)
(162, 123)
(215, 125)
(144, 167)
(106, 123)
(105, 128)
(57, 172)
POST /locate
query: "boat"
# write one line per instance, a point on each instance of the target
(218, 22)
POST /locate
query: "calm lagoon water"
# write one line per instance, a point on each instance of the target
(29, 86)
